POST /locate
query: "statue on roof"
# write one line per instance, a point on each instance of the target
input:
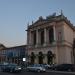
(62, 12)
(27, 24)
(62, 15)
(32, 22)
(51, 16)
(54, 14)
(40, 18)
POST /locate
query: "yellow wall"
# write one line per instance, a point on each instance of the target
(68, 33)
(74, 34)
(64, 54)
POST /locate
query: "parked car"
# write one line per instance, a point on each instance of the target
(64, 67)
(53, 67)
(36, 68)
(11, 67)
(46, 66)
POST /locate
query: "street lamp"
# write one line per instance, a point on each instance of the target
(24, 60)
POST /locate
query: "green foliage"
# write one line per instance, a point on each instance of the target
(50, 57)
(41, 56)
(32, 58)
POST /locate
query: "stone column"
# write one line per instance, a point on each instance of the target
(30, 38)
(27, 37)
(56, 47)
(45, 36)
(37, 36)
(54, 33)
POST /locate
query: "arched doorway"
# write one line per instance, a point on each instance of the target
(50, 56)
(32, 58)
(40, 57)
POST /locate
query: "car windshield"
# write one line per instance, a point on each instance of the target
(12, 64)
(34, 65)
(39, 65)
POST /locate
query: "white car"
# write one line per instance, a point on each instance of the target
(47, 66)
(36, 68)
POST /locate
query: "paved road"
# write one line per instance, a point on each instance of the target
(33, 73)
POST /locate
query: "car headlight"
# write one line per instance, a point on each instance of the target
(44, 69)
(19, 68)
(41, 68)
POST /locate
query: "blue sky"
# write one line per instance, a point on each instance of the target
(15, 14)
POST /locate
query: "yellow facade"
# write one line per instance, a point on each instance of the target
(63, 34)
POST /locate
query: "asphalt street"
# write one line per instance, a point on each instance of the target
(33, 73)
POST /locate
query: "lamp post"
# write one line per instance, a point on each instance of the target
(24, 61)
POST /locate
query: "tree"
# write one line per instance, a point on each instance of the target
(50, 57)
(32, 58)
(40, 57)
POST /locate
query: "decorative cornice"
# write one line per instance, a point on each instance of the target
(57, 43)
(51, 18)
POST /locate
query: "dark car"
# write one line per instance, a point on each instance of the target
(53, 66)
(11, 68)
(64, 67)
